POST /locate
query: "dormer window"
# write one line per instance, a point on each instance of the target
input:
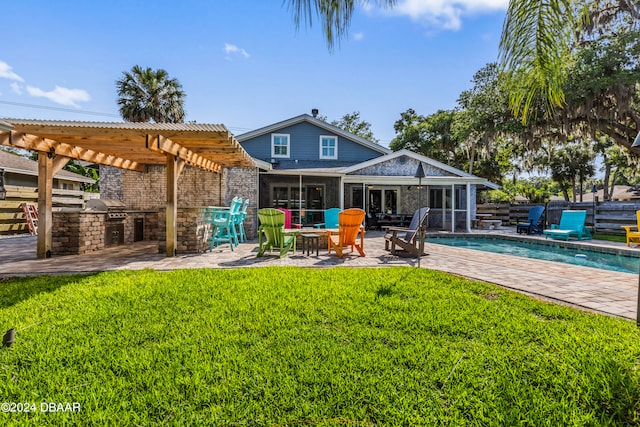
(328, 147)
(280, 145)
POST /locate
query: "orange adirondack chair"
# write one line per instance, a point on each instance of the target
(349, 227)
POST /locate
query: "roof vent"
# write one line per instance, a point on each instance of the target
(314, 112)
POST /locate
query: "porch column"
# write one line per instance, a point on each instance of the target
(45, 194)
(300, 199)
(453, 208)
(341, 193)
(468, 207)
(172, 204)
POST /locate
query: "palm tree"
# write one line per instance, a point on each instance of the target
(146, 95)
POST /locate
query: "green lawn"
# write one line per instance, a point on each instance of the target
(286, 346)
(611, 237)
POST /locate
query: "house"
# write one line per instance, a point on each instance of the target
(20, 181)
(303, 164)
(21, 171)
(314, 165)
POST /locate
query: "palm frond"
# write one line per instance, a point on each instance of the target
(535, 47)
(335, 15)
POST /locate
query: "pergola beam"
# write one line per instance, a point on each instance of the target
(162, 144)
(59, 163)
(45, 145)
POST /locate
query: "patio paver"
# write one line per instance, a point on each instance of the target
(586, 288)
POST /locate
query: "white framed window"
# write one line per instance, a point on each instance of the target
(328, 147)
(280, 145)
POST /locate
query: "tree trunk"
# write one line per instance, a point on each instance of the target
(472, 155)
(613, 183)
(605, 188)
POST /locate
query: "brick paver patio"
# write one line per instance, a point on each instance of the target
(586, 288)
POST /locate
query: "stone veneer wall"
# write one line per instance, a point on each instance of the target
(81, 232)
(242, 182)
(111, 180)
(192, 230)
(150, 227)
(77, 232)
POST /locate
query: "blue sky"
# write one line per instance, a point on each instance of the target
(242, 63)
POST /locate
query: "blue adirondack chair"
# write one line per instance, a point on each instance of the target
(330, 219)
(223, 229)
(571, 225)
(532, 226)
(239, 220)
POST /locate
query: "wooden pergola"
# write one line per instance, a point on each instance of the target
(125, 146)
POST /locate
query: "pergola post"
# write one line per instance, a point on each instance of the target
(45, 194)
(172, 204)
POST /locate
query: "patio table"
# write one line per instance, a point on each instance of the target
(309, 240)
(480, 218)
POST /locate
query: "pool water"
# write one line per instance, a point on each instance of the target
(582, 257)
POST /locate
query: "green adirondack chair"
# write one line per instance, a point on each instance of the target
(571, 225)
(271, 233)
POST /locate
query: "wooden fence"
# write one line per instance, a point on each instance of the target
(601, 216)
(12, 220)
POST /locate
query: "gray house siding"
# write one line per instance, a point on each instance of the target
(401, 166)
(304, 145)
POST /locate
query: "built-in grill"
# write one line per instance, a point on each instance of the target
(115, 209)
(116, 214)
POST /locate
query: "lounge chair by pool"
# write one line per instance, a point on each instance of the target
(571, 225)
(532, 226)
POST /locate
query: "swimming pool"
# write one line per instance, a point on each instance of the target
(587, 258)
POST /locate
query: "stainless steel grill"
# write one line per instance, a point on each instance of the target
(115, 209)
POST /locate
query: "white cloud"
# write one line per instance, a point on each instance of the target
(16, 87)
(445, 14)
(234, 51)
(358, 36)
(61, 95)
(6, 72)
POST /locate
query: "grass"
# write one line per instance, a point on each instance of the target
(610, 237)
(286, 346)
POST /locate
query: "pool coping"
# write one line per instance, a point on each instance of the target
(575, 244)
